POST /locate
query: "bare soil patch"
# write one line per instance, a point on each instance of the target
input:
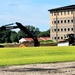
(66, 68)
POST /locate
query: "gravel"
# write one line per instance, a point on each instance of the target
(66, 68)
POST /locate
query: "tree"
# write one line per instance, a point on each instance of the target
(21, 34)
(5, 36)
(45, 33)
(14, 37)
(32, 29)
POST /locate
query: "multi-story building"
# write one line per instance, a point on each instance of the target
(62, 22)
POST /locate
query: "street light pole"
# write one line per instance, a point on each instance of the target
(56, 26)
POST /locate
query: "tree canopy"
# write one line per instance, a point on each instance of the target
(13, 36)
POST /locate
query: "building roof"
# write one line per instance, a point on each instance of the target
(28, 39)
(39, 39)
(63, 8)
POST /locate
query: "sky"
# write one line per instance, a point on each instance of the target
(29, 12)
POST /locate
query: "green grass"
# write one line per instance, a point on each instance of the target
(47, 41)
(35, 55)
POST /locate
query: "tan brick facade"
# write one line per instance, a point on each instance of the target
(62, 22)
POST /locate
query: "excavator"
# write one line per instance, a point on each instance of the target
(23, 28)
(71, 39)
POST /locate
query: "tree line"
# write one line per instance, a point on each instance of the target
(10, 36)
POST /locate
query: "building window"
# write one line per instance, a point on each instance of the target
(55, 38)
(68, 29)
(64, 29)
(61, 12)
(64, 12)
(55, 30)
(64, 36)
(61, 29)
(71, 11)
(61, 37)
(58, 21)
(57, 13)
(71, 29)
(58, 29)
(55, 22)
(72, 21)
(58, 37)
(64, 21)
(61, 21)
(54, 14)
(68, 21)
(68, 12)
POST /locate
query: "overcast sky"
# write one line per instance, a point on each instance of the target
(29, 12)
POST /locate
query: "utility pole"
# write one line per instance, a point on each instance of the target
(74, 22)
(56, 26)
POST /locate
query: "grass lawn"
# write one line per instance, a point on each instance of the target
(35, 55)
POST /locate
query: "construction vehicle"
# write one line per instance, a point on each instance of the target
(71, 39)
(23, 28)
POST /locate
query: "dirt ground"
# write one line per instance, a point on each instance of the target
(67, 68)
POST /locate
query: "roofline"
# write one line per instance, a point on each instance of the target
(63, 8)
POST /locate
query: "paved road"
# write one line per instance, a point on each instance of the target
(67, 68)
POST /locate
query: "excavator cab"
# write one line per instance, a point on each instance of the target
(71, 39)
(23, 28)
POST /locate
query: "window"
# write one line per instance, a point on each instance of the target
(58, 29)
(71, 29)
(61, 29)
(54, 14)
(64, 36)
(68, 12)
(55, 37)
(55, 22)
(61, 37)
(71, 11)
(68, 21)
(72, 21)
(61, 12)
(68, 29)
(64, 12)
(58, 21)
(64, 21)
(58, 13)
(58, 37)
(61, 21)
(64, 29)
(55, 30)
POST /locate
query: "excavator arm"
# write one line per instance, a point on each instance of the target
(23, 28)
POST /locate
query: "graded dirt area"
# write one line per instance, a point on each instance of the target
(67, 68)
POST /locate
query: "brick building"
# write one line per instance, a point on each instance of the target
(62, 22)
